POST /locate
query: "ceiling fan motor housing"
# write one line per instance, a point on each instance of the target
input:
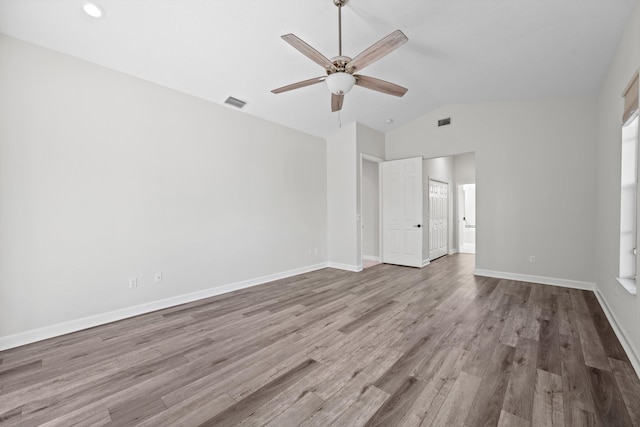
(340, 63)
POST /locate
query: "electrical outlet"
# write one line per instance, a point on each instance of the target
(133, 283)
(157, 277)
(532, 258)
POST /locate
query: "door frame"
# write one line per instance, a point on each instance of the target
(459, 224)
(377, 160)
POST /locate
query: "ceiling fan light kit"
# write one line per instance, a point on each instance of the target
(340, 83)
(340, 69)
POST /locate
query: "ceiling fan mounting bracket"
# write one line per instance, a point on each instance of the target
(339, 3)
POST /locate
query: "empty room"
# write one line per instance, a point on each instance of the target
(319, 213)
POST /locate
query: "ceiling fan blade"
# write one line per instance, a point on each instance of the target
(380, 85)
(309, 52)
(377, 51)
(336, 102)
(300, 84)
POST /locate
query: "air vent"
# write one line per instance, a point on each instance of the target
(444, 122)
(235, 102)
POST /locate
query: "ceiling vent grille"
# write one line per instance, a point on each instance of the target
(444, 122)
(235, 102)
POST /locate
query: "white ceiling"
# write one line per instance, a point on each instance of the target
(459, 51)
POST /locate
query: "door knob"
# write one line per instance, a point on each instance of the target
(418, 225)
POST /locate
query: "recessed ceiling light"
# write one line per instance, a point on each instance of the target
(388, 121)
(93, 10)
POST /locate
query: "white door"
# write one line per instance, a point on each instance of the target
(402, 212)
(438, 219)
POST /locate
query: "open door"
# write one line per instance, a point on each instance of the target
(402, 212)
(438, 219)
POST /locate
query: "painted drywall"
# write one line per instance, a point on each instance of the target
(464, 168)
(370, 141)
(104, 177)
(624, 307)
(535, 178)
(342, 194)
(439, 169)
(370, 210)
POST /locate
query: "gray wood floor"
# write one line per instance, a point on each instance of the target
(390, 346)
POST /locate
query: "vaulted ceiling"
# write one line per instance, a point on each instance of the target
(459, 51)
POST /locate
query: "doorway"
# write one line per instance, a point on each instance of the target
(467, 218)
(370, 208)
(441, 228)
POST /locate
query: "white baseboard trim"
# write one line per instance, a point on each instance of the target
(348, 267)
(370, 258)
(565, 283)
(34, 335)
(629, 348)
(425, 262)
(453, 251)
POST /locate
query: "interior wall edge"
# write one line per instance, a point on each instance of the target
(542, 280)
(56, 330)
(346, 267)
(632, 353)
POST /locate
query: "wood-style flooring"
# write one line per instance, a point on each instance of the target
(390, 346)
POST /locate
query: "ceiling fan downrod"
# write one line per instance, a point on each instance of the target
(339, 3)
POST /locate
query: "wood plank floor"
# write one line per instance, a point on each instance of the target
(390, 346)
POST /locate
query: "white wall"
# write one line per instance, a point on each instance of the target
(464, 168)
(534, 174)
(625, 307)
(342, 195)
(439, 169)
(104, 177)
(370, 209)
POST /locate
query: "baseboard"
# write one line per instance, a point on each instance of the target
(629, 348)
(425, 262)
(565, 283)
(370, 258)
(348, 267)
(453, 251)
(34, 335)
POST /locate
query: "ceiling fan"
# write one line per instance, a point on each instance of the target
(340, 69)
